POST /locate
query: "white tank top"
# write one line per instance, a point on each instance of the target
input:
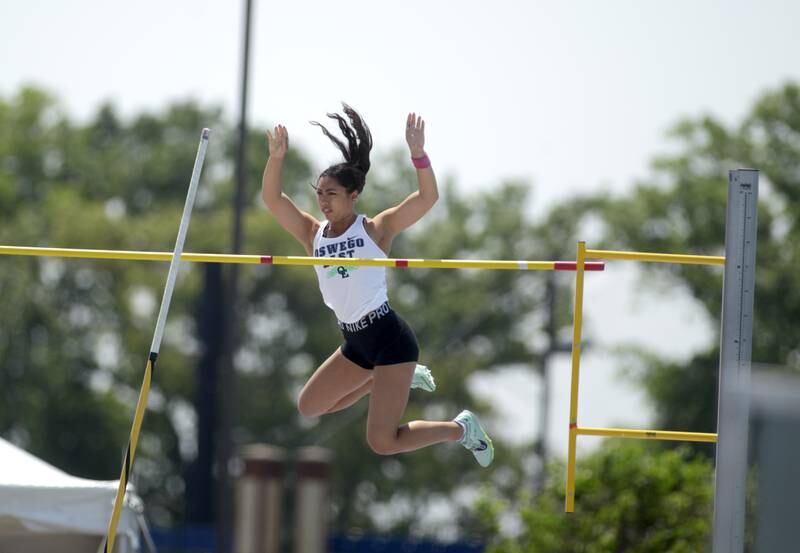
(351, 292)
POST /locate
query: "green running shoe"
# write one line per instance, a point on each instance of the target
(423, 379)
(475, 438)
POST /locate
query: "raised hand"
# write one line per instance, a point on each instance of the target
(415, 135)
(278, 142)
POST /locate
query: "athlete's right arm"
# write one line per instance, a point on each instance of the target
(300, 224)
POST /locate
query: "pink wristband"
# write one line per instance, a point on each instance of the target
(421, 162)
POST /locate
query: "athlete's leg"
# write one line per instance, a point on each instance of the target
(423, 379)
(352, 397)
(334, 380)
(387, 402)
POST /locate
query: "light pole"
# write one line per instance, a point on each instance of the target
(228, 380)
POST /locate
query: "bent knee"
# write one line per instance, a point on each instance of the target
(383, 444)
(307, 406)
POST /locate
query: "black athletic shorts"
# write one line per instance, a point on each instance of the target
(380, 337)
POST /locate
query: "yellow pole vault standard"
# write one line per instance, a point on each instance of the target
(657, 257)
(574, 429)
(576, 362)
(127, 463)
(299, 260)
(647, 434)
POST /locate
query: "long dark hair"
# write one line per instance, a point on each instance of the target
(353, 172)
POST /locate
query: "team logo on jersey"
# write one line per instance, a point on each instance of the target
(339, 271)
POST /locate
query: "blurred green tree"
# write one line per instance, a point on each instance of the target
(630, 497)
(640, 498)
(681, 209)
(78, 331)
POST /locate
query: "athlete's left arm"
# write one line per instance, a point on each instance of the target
(395, 219)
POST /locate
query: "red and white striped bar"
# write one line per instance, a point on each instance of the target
(300, 260)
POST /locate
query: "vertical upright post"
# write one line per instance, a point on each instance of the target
(569, 505)
(258, 519)
(312, 500)
(734, 365)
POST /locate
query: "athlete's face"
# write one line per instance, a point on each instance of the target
(334, 200)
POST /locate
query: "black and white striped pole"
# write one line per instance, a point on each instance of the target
(127, 463)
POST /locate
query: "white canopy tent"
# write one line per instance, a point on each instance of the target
(44, 509)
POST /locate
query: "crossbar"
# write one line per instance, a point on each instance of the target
(300, 260)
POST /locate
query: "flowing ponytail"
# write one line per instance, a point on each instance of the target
(352, 173)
